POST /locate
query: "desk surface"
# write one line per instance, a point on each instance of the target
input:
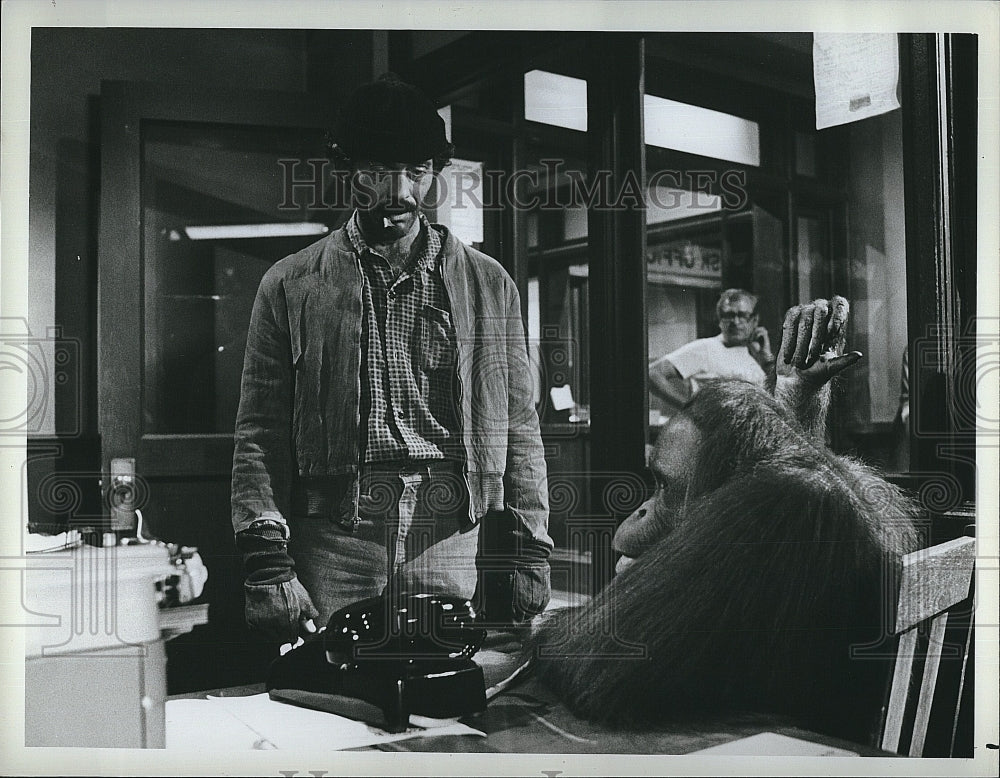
(528, 719)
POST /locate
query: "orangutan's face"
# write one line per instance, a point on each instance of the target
(673, 463)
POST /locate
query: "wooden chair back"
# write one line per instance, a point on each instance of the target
(932, 581)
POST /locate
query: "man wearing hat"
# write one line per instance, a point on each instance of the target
(386, 438)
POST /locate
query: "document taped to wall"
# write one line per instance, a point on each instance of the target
(856, 76)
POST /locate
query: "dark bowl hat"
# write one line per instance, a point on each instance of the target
(389, 120)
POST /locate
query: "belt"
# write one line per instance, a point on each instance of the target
(321, 496)
(409, 467)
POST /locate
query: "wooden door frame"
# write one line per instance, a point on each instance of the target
(125, 106)
(938, 79)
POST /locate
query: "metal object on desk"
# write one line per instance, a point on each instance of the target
(95, 664)
(384, 658)
(94, 601)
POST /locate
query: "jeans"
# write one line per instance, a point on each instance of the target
(413, 536)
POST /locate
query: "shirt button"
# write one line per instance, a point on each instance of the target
(400, 413)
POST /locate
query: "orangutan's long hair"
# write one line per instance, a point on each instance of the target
(779, 570)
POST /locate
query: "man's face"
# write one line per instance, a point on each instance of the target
(389, 196)
(737, 321)
(673, 463)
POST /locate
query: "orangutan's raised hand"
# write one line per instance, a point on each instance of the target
(813, 337)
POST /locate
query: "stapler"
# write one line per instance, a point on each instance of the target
(381, 659)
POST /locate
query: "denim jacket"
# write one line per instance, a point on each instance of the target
(299, 412)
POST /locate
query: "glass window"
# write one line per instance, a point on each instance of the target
(876, 281)
(458, 199)
(553, 173)
(813, 269)
(685, 258)
(805, 154)
(667, 204)
(558, 266)
(457, 196)
(818, 213)
(217, 213)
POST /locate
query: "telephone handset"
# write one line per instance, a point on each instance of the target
(383, 658)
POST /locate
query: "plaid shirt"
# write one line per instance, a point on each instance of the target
(408, 406)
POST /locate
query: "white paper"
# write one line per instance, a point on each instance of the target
(257, 721)
(856, 76)
(198, 725)
(773, 744)
(562, 397)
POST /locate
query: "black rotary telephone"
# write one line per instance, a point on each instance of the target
(383, 658)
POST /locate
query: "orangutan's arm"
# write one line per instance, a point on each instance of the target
(813, 337)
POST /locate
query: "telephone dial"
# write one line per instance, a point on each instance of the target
(381, 659)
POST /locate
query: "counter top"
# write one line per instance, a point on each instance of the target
(527, 718)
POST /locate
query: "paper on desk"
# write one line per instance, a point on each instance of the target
(773, 744)
(196, 724)
(257, 721)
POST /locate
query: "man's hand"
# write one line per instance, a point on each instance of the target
(282, 611)
(514, 580)
(813, 337)
(277, 604)
(760, 347)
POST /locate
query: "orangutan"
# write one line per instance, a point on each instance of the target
(758, 577)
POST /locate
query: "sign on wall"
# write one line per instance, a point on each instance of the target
(685, 262)
(856, 76)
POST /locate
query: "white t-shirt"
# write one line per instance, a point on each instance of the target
(711, 358)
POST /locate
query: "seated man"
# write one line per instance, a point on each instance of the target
(740, 350)
(762, 563)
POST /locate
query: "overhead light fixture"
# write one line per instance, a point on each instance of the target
(234, 231)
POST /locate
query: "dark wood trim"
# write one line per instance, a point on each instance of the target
(338, 60)
(515, 219)
(934, 137)
(736, 59)
(473, 123)
(572, 143)
(725, 93)
(120, 277)
(400, 49)
(963, 85)
(617, 253)
(445, 72)
(185, 455)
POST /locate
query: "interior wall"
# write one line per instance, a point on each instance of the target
(67, 66)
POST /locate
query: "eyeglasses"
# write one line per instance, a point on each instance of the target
(730, 315)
